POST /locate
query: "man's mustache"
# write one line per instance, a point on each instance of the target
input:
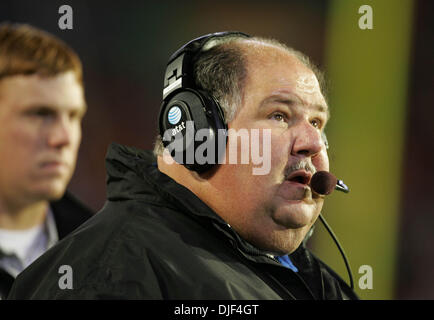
(305, 164)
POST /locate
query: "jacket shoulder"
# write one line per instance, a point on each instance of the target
(103, 255)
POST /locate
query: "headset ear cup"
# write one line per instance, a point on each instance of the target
(181, 98)
(191, 125)
(176, 126)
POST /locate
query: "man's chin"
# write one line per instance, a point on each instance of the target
(281, 242)
(294, 214)
(50, 192)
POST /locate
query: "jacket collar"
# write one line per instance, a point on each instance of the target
(68, 214)
(133, 174)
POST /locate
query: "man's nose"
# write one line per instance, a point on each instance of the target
(59, 135)
(307, 140)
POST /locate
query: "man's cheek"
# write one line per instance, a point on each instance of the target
(278, 160)
(280, 147)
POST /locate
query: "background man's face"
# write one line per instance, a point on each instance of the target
(281, 94)
(40, 132)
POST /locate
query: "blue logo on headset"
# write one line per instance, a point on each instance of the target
(174, 115)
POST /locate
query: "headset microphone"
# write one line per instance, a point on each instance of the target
(323, 182)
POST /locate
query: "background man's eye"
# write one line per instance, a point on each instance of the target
(42, 112)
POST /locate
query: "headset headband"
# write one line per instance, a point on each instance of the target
(179, 73)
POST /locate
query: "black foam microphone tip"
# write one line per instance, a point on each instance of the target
(323, 182)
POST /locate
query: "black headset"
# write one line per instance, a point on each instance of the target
(183, 101)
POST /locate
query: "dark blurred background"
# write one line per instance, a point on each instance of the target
(380, 93)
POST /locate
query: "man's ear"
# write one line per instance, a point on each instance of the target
(324, 138)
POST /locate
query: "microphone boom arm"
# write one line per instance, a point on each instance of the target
(341, 186)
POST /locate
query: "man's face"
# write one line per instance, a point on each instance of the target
(40, 132)
(276, 210)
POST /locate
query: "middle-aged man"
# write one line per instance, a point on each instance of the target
(41, 107)
(185, 230)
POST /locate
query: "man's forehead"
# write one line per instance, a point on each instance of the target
(282, 75)
(61, 90)
(308, 100)
(291, 98)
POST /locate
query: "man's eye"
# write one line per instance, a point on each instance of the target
(278, 116)
(316, 123)
(42, 112)
(73, 115)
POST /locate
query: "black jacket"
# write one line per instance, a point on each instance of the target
(68, 214)
(154, 239)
